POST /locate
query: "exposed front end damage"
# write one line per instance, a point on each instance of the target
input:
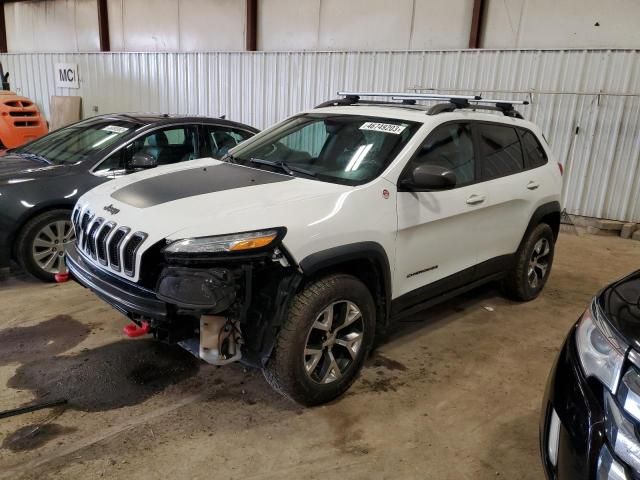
(222, 309)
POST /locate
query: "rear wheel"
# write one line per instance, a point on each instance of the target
(532, 266)
(324, 340)
(42, 244)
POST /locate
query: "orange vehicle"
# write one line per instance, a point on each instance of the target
(20, 119)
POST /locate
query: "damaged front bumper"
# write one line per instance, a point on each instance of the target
(129, 298)
(214, 311)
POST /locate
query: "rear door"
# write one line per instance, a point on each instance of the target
(503, 216)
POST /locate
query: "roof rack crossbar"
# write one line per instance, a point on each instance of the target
(407, 96)
(478, 99)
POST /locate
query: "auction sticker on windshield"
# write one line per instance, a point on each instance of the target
(383, 127)
(115, 129)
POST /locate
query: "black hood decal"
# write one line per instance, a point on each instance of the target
(194, 181)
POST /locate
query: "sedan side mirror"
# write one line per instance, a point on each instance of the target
(426, 178)
(141, 161)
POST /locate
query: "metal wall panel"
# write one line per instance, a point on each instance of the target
(587, 101)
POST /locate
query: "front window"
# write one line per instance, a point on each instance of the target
(168, 145)
(76, 142)
(347, 149)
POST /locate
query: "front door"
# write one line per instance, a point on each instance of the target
(436, 244)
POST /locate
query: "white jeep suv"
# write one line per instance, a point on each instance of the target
(303, 245)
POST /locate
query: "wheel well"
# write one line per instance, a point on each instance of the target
(368, 272)
(553, 220)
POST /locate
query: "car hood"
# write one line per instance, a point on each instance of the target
(620, 302)
(17, 169)
(208, 197)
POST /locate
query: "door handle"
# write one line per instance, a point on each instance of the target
(532, 185)
(475, 199)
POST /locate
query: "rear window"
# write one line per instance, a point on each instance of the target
(534, 153)
(501, 151)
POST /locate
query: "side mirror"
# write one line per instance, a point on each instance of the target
(141, 161)
(425, 178)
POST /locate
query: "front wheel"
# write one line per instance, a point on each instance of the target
(324, 340)
(42, 243)
(532, 265)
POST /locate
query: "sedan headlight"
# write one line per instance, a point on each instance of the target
(600, 349)
(225, 243)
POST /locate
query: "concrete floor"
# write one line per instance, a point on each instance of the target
(455, 393)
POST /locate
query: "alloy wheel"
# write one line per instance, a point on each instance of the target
(334, 341)
(50, 244)
(538, 263)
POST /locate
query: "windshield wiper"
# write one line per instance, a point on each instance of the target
(35, 156)
(284, 166)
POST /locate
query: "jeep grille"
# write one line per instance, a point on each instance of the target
(112, 245)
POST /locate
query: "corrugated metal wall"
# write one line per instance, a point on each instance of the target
(587, 101)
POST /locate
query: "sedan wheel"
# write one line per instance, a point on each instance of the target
(51, 243)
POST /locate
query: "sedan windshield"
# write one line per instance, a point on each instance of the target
(76, 142)
(347, 149)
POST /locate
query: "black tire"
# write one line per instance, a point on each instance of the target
(286, 370)
(518, 283)
(27, 237)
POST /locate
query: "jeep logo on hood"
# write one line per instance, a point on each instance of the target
(111, 209)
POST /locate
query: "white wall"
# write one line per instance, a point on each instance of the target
(290, 25)
(562, 23)
(60, 26)
(363, 24)
(176, 25)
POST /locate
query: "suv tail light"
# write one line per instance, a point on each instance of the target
(561, 168)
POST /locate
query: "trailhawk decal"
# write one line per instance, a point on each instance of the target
(383, 127)
(195, 181)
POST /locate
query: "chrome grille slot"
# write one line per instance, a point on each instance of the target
(90, 244)
(75, 218)
(86, 220)
(129, 252)
(113, 248)
(629, 393)
(110, 244)
(101, 242)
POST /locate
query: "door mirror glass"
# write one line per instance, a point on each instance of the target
(428, 178)
(141, 160)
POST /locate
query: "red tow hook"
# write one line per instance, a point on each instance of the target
(61, 277)
(132, 330)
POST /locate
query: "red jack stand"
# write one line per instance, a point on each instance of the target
(61, 277)
(132, 330)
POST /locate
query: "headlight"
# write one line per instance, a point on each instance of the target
(600, 349)
(224, 243)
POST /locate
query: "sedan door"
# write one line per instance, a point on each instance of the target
(436, 242)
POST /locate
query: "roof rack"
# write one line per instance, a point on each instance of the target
(503, 106)
(454, 102)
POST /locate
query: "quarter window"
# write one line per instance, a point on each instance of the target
(449, 146)
(533, 151)
(501, 151)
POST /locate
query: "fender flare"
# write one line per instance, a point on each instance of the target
(539, 213)
(371, 251)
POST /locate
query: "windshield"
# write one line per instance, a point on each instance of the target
(347, 149)
(76, 142)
